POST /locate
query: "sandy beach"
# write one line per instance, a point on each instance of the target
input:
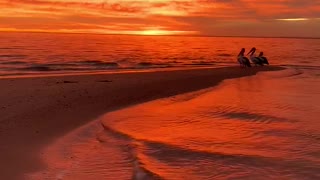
(36, 111)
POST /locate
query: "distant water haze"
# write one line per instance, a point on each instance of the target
(43, 53)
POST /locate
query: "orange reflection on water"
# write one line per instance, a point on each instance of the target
(229, 120)
(249, 124)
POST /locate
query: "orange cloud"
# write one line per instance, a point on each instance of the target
(161, 17)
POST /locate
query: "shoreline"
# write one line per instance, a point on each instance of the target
(104, 72)
(37, 111)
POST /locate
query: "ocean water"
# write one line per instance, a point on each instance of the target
(258, 127)
(42, 53)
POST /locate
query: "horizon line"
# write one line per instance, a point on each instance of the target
(174, 35)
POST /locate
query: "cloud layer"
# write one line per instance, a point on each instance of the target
(204, 17)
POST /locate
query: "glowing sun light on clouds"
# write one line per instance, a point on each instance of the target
(294, 19)
(174, 17)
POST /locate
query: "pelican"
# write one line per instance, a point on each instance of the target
(253, 57)
(243, 61)
(263, 59)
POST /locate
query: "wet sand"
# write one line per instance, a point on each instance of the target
(36, 111)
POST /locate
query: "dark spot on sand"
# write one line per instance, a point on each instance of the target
(67, 82)
(70, 82)
(105, 81)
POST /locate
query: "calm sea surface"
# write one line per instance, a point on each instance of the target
(259, 127)
(41, 53)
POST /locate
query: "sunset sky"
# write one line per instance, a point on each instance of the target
(299, 18)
